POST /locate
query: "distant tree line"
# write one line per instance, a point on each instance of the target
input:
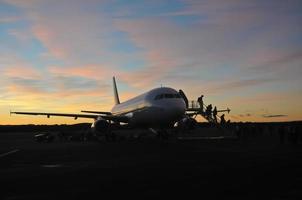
(32, 127)
(83, 126)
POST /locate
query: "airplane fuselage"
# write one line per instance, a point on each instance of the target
(159, 107)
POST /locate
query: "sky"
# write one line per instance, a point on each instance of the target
(60, 55)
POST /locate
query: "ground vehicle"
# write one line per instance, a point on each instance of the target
(44, 137)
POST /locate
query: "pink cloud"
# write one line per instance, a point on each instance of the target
(23, 3)
(72, 34)
(87, 71)
(47, 36)
(213, 54)
(9, 19)
(21, 70)
(229, 85)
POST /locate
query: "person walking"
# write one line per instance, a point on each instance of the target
(200, 101)
(222, 120)
(209, 111)
(281, 133)
(215, 114)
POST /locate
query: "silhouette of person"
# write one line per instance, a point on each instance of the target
(215, 113)
(293, 135)
(296, 135)
(270, 130)
(200, 101)
(281, 132)
(222, 120)
(192, 104)
(238, 132)
(298, 129)
(209, 111)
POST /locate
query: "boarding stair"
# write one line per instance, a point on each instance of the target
(194, 109)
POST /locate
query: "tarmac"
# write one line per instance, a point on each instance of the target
(205, 167)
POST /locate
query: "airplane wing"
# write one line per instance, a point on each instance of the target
(76, 116)
(57, 114)
(96, 112)
(109, 116)
(115, 118)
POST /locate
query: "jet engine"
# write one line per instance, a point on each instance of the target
(100, 126)
(186, 123)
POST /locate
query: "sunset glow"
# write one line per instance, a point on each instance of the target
(60, 56)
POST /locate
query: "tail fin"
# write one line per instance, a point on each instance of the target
(116, 98)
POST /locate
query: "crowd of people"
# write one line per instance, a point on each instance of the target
(285, 133)
(209, 113)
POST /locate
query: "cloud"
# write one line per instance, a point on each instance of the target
(9, 19)
(27, 82)
(79, 86)
(21, 70)
(284, 67)
(166, 48)
(240, 84)
(246, 115)
(22, 35)
(23, 3)
(274, 116)
(26, 85)
(223, 34)
(87, 71)
(241, 53)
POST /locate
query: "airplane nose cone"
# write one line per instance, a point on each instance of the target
(177, 110)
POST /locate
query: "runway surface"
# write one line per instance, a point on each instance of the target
(207, 168)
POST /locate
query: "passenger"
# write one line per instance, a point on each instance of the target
(260, 130)
(222, 120)
(192, 104)
(298, 129)
(289, 134)
(215, 114)
(181, 125)
(270, 130)
(209, 111)
(247, 132)
(228, 123)
(294, 134)
(281, 134)
(82, 136)
(238, 132)
(200, 101)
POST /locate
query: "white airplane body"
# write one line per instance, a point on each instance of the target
(157, 108)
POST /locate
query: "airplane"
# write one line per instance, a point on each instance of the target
(159, 108)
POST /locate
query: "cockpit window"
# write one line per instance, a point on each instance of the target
(167, 96)
(159, 96)
(177, 95)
